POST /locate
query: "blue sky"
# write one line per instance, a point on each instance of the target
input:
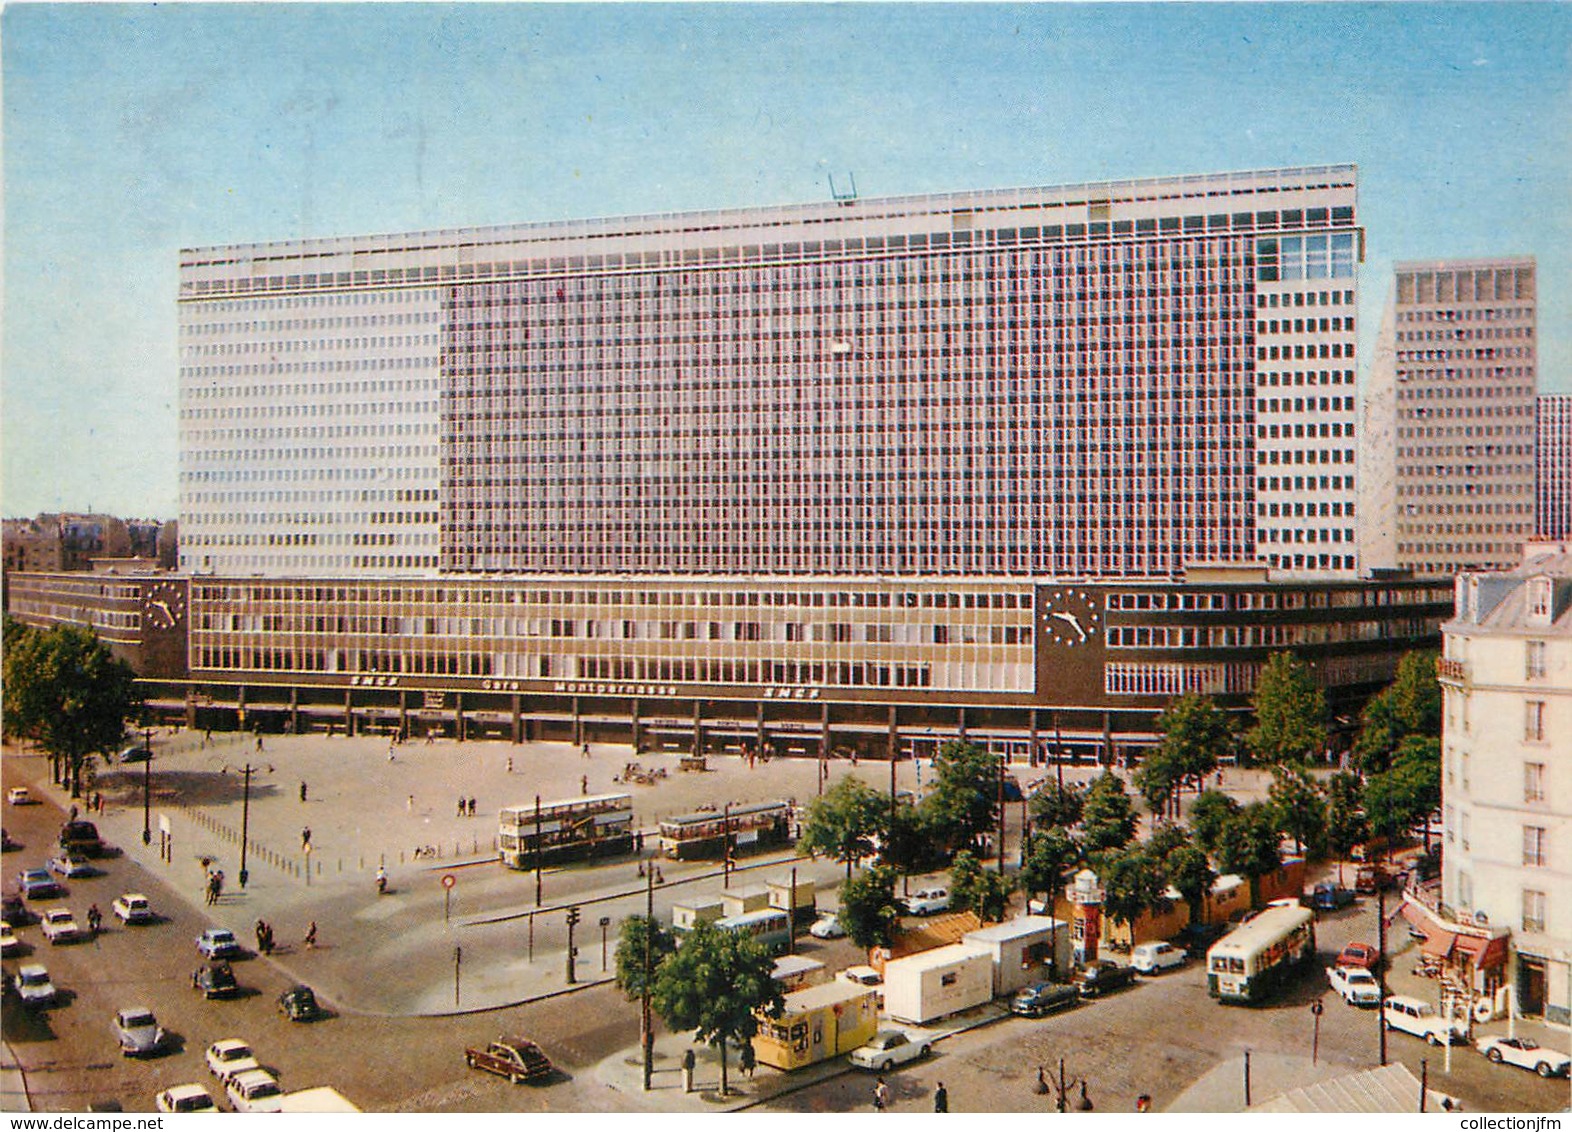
(133, 131)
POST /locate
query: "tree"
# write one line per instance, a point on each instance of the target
(634, 962)
(1108, 818)
(1406, 793)
(715, 984)
(843, 822)
(1290, 713)
(1050, 859)
(974, 888)
(1192, 874)
(965, 796)
(869, 909)
(1411, 705)
(1345, 818)
(1158, 779)
(1297, 806)
(1056, 804)
(1248, 845)
(1195, 731)
(66, 690)
(1133, 882)
(913, 845)
(1211, 811)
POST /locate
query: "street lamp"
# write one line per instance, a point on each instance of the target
(147, 790)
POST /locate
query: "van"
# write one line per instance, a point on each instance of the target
(1417, 1017)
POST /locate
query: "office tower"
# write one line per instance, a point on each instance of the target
(1117, 379)
(1553, 477)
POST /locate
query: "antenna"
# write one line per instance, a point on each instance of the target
(844, 197)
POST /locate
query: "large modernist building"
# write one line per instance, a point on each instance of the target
(1450, 430)
(1002, 460)
(1553, 478)
(1507, 787)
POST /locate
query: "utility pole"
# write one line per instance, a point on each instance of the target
(649, 973)
(147, 791)
(1058, 752)
(245, 820)
(726, 846)
(1001, 814)
(537, 852)
(1381, 963)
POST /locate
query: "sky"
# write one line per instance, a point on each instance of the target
(132, 131)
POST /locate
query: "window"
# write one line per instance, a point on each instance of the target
(1534, 721)
(1533, 782)
(1535, 663)
(1533, 910)
(1536, 846)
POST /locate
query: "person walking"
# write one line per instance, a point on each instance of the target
(95, 919)
(510, 764)
(941, 1099)
(305, 838)
(261, 933)
(583, 784)
(688, 1062)
(881, 1096)
(302, 790)
(311, 936)
(749, 1062)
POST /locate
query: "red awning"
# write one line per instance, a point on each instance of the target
(1415, 914)
(1484, 952)
(1437, 943)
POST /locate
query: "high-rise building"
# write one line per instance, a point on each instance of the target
(1553, 477)
(1449, 429)
(1100, 380)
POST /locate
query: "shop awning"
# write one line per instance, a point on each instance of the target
(1437, 943)
(1485, 953)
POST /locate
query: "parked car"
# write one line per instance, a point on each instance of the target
(255, 1090)
(71, 866)
(185, 1098)
(219, 943)
(1153, 958)
(81, 837)
(1329, 897)
(133, 908)
(1104, 975)
(8, 843)
(14, 911)
(1359, 955)
(1412, 1016)
(37, 884)
(927, 901)
(59, 926)
(33, 987)
(1525, 1053)
(1044, 998)
(517, 1059)
(887, 1049)
(137, 753)
(139, 1033)
(1198, 938)
(1356, 985)
(216, 980)
(229, 1057)
(299, 1004)
(20, 796)
(827, 927)
(1369, 878)
(9, 944)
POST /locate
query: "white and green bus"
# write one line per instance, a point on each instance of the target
(1252, 961)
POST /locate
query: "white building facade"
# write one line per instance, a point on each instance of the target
(1506, 677)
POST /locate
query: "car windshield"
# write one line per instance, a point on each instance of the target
(136, 1021)
(34, 978)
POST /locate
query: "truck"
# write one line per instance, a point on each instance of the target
(517, 1059)
(937, 983)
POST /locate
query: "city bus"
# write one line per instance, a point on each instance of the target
(770, 926)
(595, 825)
(1256, 958)
(752, 828)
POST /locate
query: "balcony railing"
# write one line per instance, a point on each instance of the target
(1455, 670)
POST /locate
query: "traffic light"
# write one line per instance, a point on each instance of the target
(573, 915)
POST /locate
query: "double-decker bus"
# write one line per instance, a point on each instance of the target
(1256, 958)
(751, 829)
(595, 825)
(770, 926)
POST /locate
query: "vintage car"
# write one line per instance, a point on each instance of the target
(138, 1032)
(1525, 1053)
(887, 1049)
(1356, 985)
(517, 1059)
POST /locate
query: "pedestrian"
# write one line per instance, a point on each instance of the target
(1042, 1082)
(748, 1060)
(410, 804)
(510, 764)
(261, 931)
(472, 807)
(1085, 1103)
(267, 946)
(660, 877)
(302, 790)
(1143, 1103)
(586, 750)
(71, 816)
(218, 885)
(95, 919)
(207, 736)
(638, 841)
(259, 738)
(881, 1096)
(583, 784)
(311, 936)
(305, 839)
(688, 1062)
(641, 869)
(461, 805)
(941, 1099)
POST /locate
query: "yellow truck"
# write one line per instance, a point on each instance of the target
(817, 1023)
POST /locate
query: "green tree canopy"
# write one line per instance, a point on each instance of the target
(1248, 845)
(1158, 778)
(634, 963)
(1056, 804)
(66, 691)
(1053, 855)
(1345, 815)
(1298, 808)
(1210, 811)
(913, 845)
(1408, 792)
(1411, 705)
(869, 909)
(1192, 874)
(713, 984)
(1290, 713)
(974, 888)
(1195, 732)
(844, 821)
(1108, 818)
(965, 796)
(1133, 882)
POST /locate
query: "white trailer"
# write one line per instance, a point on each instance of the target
(933, 984)
(691, 913)
(1022, 950)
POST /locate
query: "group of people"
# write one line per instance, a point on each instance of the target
(264, 932)
(215, 885)
(466, 807)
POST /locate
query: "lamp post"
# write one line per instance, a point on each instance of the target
(245, 821)
(147, 790)
(726, 846)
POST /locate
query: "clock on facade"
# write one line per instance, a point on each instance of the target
(1069, 617)
(164, 605)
